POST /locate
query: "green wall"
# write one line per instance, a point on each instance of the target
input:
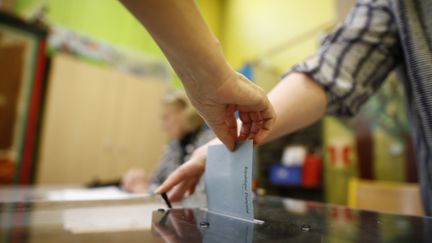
(246, 28)
(251, 27)
(108, 20)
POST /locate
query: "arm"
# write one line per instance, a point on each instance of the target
(196, 55)
(348, 68)
(350, 65)
(298, 101)
(185, 39)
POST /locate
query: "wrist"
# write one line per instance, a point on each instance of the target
(207, 78)
(206, 68)
(200, 153)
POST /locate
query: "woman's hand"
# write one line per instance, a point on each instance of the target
(218, 106)
(186, 177)
(135, 180)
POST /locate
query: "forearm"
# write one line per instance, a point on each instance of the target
(184, 37)
(298, 102)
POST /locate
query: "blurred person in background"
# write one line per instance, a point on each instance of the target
(186, 131)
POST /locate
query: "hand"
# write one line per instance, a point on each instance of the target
(218, 106)
(135, 180)
(214, 88)
(186, 177)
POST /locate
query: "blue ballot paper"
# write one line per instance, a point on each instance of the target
(228, 182)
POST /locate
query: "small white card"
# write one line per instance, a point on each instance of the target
(228, 182)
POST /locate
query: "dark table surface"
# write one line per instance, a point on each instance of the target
(139, 220)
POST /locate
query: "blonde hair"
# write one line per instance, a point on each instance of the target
(180, 100)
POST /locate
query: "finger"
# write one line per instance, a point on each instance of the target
(257, 123)
(268, 114)
(260, 136)
(228, 132)
(175, 178)
(192, 186)
(246, 125)
(269, 119)
(179, 191)
(189, 170)
(230, 120)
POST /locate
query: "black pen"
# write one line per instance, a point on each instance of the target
(165, 198)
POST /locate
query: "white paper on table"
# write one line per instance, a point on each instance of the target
(88, 194)
(109, 218)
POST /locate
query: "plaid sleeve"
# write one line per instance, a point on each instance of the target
(356, 57)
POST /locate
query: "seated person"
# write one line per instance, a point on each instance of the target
(186, 131)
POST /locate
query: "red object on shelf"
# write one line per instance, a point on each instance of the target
(312, 171)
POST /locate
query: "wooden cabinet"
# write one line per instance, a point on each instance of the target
(98, 123)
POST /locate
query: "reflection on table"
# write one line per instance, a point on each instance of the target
(288, 220)
(139, 220)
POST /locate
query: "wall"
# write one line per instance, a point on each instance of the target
(107, 128)
(246, 28)
(251, 27)
(108, 20)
